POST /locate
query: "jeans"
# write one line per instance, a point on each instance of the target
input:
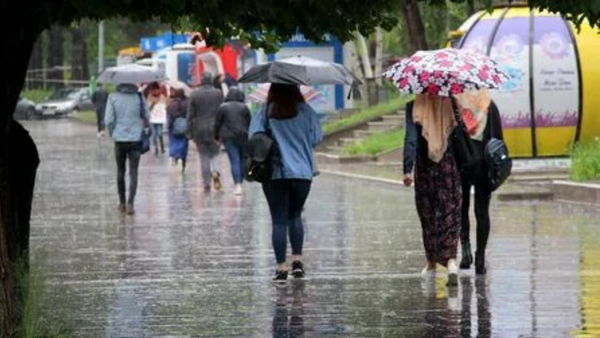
(483, 196)
(286, 199)
(157, 129)
(124, 151)
(236, 151)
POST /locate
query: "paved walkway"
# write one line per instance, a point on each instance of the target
(191, 264)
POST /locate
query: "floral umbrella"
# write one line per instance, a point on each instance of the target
(446, 72)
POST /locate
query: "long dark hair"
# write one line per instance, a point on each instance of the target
(283, 99)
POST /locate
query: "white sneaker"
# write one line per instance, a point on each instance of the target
(428, 272)
(452, 273)
(238, 190)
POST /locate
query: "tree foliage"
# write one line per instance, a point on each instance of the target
(575, 10)
(263, 23)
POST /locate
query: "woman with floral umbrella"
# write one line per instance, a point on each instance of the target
(436, 76)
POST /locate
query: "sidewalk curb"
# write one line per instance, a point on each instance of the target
(361, 177)
(500, 196)
(569, 191)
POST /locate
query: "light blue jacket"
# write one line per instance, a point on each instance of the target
(296, 138)
(122, 117)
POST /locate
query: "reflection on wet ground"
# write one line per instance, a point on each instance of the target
(191, 264)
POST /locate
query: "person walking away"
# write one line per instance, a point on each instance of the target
(483, 122)
(99, 98)
(158, 115)
(178, 143)
(438, 193)
(231, 128)
(202, 110)
(126, 112)
(297, 130)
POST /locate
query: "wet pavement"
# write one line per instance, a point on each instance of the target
(191, 264)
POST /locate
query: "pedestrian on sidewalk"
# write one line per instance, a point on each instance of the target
(482, 119)
(231, 128)
(202, 110)
(296, 129)
(99, 98)
(178, 142)
(156, 97)
(438, 193)
(126, 111)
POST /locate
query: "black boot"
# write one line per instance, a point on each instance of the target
(467, 257)
(480, 263)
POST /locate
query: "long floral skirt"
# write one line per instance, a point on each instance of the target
(438, 196)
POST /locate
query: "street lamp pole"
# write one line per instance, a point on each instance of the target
(100, 46)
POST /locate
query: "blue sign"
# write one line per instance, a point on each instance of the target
(153, 44)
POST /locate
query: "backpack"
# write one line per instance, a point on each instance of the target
(180, 126)
(261, 152)
(498, 163)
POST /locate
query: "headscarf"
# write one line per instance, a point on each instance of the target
(434, 114)
(474, 108)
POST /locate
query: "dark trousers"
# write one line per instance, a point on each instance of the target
(100, 119)
(286, 199)
(236, 150)
(483, 196)
(127, 151)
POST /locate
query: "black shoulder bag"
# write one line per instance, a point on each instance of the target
(146, 131)
(468, 155)
(261, 152)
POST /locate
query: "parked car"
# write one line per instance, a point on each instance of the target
(25, 109)
(65, 101)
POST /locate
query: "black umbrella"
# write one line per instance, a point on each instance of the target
(300, 70)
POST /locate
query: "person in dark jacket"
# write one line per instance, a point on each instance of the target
(231, 128)
(483, 122)
(99, 99)
(429, 154)
(202, 110)
(178, 144)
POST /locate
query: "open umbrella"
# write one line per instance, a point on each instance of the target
(446, 72)
(131, 73)
(261, 93)
(300, 70)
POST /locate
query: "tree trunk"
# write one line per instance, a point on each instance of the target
(56, 57)
(411, 14)
(364, 56)
(36, 63)
(14, 226)
(470, 7)
(378, 54)
(79, 55)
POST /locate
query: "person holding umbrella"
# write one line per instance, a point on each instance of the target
(127, 117)
(433, 158)
(296, 130)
